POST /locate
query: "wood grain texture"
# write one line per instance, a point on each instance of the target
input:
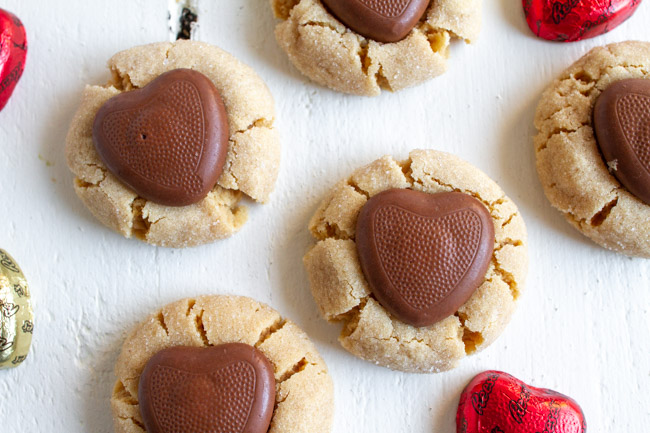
(583, 325)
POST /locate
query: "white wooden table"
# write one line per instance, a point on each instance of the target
(583, 325)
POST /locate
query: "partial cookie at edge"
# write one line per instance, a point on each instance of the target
(571, 169)
(304, 390)
(330, 54)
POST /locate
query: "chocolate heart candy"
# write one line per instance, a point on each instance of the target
(168, 141)
(573, 20)
(13, 51)
(424, 254)
(381, 20)
(622, 126)
(498, 402)
(219, 389)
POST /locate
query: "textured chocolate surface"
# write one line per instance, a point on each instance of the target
(622, 126)
(220, 389)
(424, 254)
(167, 141)
(381, 20)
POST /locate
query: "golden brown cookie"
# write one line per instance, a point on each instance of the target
(304, 390)
(575, 177)
(252, 161)
(342, 292)
(332, 55)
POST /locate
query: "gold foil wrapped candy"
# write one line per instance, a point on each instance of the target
(16, 316)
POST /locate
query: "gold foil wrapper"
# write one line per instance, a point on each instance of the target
(16, 315)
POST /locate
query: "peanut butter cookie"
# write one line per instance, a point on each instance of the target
(577, 178)
(249, 154)
(424, 251)
(303, 387)
(330, 53)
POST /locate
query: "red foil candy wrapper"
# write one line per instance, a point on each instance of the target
(13, 51)
(496, 402)
(573, 20)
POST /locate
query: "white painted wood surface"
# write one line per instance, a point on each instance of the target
(583, 325)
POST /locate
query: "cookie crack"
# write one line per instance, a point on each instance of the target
(506, 242)
(321, 24)
(438, 38)
(600, 216)
(507, 278)
(270, 330)
(490, 205)
(472, 340)
(134, 421)
(200, 328)
(234, 158)
(509, 220)
(160, 318)
(260, 122)
(257, 123)
(295, 369)
(407, 170)
(124, 395)
(352, 184)
(81, 183)
(140, 225)
(121, 80)
(282, 9)
(333, 231)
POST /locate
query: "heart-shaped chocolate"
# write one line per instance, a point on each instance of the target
(13, 51)
(622, 126)
(424, 255)
(168, 141)
(573, 20)
(219, 389)
(498, 402)
(381, 20)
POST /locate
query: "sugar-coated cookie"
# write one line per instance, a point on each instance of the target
(435, 243)
(330, 53)
(581, 177)
(127, 192)
(221, 343)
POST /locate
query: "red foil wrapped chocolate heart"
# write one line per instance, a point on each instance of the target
(424, 255)
(573, 20)
(381, 20)
(225, 388)
(13, 51)
(496, 402)
(168, 141)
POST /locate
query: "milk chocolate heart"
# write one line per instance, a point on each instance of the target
(622, 126)
(168, 141)
(498, 402)
(220, 389)
(381, 20)
(573, 20)
(13, 51)
(424, 255)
